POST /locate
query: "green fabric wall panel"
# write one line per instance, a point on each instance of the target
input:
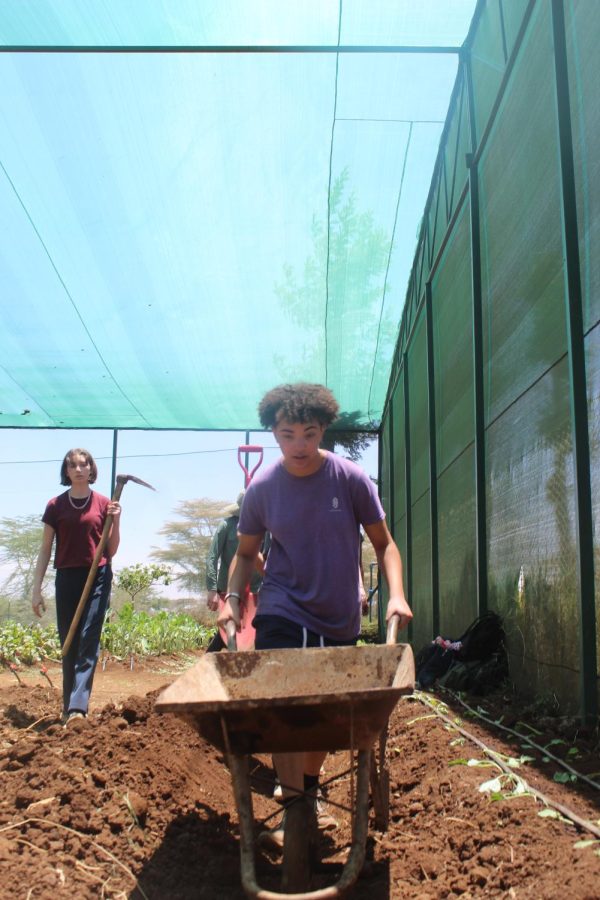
(457, 562)
(531, 523)
(522, 274)
(385, 474)
(453, 346)
(457, 146)
(592, 345)
(487, 64)
(583, 40)
(399, 457)
(513, 12)
(419, 414)
(421, 600)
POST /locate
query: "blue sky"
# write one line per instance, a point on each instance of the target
(180, 465)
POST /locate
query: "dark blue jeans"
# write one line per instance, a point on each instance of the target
(80, 662)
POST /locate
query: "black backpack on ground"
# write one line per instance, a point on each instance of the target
(476, 662)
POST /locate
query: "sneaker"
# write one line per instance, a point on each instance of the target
(76, 714)
(272, 838)
(325, 821)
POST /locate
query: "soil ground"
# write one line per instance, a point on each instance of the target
(130, 804)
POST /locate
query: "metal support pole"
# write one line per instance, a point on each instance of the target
(480, 485)
(408, 561)
(479, 409)
(577, 376)
(113, 474)
(433, 498)
(392, 515)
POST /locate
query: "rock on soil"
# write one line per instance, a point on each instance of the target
(130, 804)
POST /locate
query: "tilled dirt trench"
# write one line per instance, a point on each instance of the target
(130, 804)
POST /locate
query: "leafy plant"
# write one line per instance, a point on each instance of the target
(27, 644)
(133, 633)
(137, 580)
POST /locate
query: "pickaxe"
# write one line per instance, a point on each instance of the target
(120, 484)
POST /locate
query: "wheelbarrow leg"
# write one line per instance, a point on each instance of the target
(360, 825)
(380, 784)
(299, 846)
(238, 766)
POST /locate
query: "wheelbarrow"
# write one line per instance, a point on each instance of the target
(286, 701)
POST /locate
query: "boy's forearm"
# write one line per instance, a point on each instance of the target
(390, 563)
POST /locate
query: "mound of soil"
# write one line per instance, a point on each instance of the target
(130, 804)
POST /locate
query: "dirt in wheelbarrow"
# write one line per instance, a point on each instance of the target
(130, 804)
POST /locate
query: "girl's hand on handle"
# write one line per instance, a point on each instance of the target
(113, 509)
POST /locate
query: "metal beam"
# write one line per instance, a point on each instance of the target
(577, 376)
(113, 475)
(480, 481)
(433, 497)
(407, 488)
(259, 50)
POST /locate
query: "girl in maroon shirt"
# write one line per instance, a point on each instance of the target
(73, 521)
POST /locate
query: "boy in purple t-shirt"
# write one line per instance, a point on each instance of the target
(313, 504)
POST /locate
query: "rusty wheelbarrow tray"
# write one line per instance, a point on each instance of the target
(278, 701)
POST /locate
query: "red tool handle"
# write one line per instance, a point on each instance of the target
(249, 448)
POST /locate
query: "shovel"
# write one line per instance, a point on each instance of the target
(249, 448)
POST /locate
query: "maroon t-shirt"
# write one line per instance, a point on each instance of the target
(78, 531)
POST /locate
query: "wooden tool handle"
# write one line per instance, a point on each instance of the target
(91, 576)
(231, 631)
(392, 629)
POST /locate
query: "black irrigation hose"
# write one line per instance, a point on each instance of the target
(563, 810)
(525, 738)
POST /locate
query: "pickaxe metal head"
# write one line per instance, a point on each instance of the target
(123, 479)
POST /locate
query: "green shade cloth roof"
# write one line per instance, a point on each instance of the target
(182, 230)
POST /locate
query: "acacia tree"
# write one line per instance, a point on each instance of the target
(20, 539)
(137, 581)
(188, 541)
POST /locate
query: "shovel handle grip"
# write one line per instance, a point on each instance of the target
(249, 448)
(231, 632)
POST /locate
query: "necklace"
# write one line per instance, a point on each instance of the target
(81, 505)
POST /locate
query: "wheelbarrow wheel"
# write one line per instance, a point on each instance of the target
(299, 846)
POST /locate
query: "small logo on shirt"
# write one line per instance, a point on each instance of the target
(335, 504)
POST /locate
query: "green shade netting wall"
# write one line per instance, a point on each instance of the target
(180, 231)
(500, 235)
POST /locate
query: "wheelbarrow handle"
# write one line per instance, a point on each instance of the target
(392, 629)
(231, 632)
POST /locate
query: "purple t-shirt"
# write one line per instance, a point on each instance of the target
(311, 575)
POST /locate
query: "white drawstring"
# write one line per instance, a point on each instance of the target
(305, 638)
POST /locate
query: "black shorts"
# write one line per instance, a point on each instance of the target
(278, 633)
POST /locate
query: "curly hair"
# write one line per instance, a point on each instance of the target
(300, 402)
(78, 451)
